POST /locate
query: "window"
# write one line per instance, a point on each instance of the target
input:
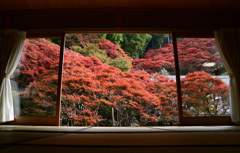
(31, 78)
(122, 80)
(35, 82)
(119, 80)
(203, 86)
(204, 80)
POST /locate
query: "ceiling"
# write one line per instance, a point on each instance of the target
(10, 5)
(75, 15)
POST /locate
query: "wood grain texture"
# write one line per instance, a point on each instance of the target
(33, 120)
(141, 139)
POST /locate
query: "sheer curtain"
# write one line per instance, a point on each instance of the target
(228, 41)
(11, 45)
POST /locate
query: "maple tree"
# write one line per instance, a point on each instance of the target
(39, 60)
(90, 89)
(155, 60)
(81, 40)
(192, 54)
(103, 49)
(204, 95)
(96, 92)
(165, 89)
(118, 98)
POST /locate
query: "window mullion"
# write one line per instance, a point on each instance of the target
(60, 73)
(177, 78)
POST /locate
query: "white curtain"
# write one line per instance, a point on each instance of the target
(228, 42)
(11, 45)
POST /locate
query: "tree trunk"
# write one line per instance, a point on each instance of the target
(113, 120)
(168, 39)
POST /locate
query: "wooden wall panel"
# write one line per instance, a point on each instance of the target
(173, 19)
(87, 20)
(210, 120)
(83, 4)
(32, 120)
(3, 20)
(64, 19)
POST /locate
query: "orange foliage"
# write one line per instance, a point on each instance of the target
(95, 94)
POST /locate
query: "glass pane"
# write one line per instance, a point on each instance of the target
(119, 80)
(204, 80)
(34, 82)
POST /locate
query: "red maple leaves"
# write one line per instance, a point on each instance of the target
(95, 94)
(192, 54)
(204, 95)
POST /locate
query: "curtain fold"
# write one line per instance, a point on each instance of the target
(228, 42)
(11, 45)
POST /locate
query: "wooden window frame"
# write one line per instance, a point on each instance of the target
(55, 121)
(46, 120)
(190, 121)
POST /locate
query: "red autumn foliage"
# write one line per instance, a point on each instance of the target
(102, 89)
(95, 94)
(90, 89)
(37, 58)
(81, 40)
(112, 50)
(155, 60)
(204, 95)
(193, 53)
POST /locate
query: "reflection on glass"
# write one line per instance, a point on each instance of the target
(204, 80)
(34, 82)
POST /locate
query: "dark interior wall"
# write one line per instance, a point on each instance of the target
(64, 19)
(3, 20)
(174, 19)
(120, 19)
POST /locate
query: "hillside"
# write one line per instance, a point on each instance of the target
(94, 93)
(192, 54)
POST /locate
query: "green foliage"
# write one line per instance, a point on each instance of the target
(121, 63)
(115, 38)
(54, 40)
(157, 41)
(135, 44)
(92, 50)
(102, 35)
